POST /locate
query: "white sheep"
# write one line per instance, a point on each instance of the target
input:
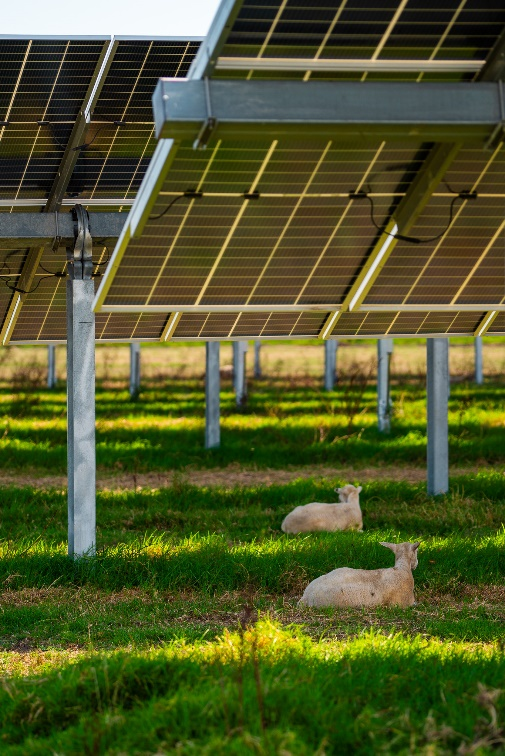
(392, 586)
(342, 515)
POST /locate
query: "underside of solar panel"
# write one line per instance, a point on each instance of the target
(260, 228)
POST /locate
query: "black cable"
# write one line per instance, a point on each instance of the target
(30, 291)
(464, 195)
(50, 126)
(87, 145)
(105, 262)
(191, 193)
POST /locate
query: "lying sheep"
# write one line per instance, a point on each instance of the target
(343, 515)
(393, 586)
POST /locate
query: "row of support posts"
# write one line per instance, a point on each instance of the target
(81, 400)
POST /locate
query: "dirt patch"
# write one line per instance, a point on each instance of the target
(230, 476)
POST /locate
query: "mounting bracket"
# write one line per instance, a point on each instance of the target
(79, 257)
(210, 123)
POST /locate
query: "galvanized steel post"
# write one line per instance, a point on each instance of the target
(384, 352)
(212, 387)
(134, 369)
(437, 409)
(81, 394)
(257, 359)
(330, 364)
(51, 366)
(239, 371)
(479, 365)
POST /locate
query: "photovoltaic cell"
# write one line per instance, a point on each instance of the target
(466, 266)
(47, 80)
(364, 30)
(373, 324)
(43, 316)
(302, 242)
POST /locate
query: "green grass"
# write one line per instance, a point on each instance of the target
(266, 691)
(143, 649)
(284, 423)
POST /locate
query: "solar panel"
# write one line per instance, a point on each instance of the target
(279, 249)
(246, 237)
(45, 86)
(358, 39)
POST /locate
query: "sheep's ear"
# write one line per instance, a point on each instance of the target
(391, 546)
(415, 546)
(359, 489)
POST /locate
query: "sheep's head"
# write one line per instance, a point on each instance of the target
(346, 491)
(408, 550)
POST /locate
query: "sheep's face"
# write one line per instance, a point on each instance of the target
(408, 550)
(345, 492)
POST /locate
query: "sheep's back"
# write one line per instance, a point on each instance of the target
(318, 516)
(349, 587)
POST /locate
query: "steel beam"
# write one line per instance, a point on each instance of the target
(239, 371)
(384, 352)
(212, 388)
(51, 366)
(479, 365)
(134, 369)
(25, 229)
(437, 381)
(327, 109)
(330, 364)
(57, 191)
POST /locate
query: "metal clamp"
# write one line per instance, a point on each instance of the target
(210, 123)
(80, 263)
(57, 237)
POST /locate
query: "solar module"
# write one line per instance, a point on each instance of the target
(76, 126)
(264, 227)
(359, 39)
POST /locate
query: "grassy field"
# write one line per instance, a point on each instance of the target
(183, 635)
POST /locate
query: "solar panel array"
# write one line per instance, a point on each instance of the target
(43, 89)
(271, 245)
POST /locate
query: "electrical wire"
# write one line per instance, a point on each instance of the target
(87, 145)
(191, 193)
(464, 195)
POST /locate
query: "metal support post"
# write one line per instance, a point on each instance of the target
(81, 392)
(51, 366)
(384, 403)
(239, 371)
(212, 386)
(437, 409)
(330, 364)
(134, 370)
(257, 359)
(479, 365)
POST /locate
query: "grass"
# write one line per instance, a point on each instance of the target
(265, 690)
(184, 636)
(283, 425)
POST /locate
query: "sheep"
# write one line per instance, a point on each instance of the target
(392, 586)
(342, 515)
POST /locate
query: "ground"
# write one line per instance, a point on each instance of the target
(184, 634)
